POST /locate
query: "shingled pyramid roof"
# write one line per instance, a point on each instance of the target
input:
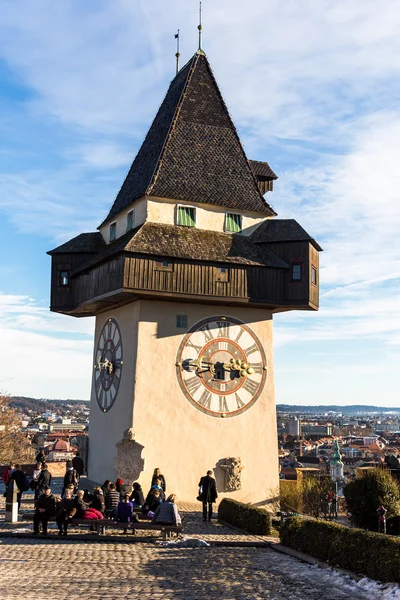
(192, 151)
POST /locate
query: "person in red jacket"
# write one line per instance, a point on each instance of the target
(7, 473)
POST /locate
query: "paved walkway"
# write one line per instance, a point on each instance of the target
(194, 526)
(61, 569)
(56, 568)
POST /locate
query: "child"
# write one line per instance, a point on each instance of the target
(125, 512)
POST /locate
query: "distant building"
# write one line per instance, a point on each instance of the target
(60, 450)
(313, 429)
(293, 426)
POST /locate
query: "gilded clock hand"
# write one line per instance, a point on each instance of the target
(240, 366)
(107, 365)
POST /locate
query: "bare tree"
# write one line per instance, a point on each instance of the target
(14, 444)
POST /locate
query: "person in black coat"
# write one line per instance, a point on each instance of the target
(41, 458)
(45, 510)
(44, 479)
(208, 494)
(158, 475)
(137, 495)
(77, 463)
(71, 476)
(19, 477)
(97, 500)
(66, 512)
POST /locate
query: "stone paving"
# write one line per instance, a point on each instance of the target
(56, 568)
(44, 569)
(194, 526)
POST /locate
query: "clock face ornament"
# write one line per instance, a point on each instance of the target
(108, 365)
(221, 366)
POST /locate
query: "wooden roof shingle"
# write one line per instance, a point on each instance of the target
(282, 230)
(192, 151)
(83, 243)
(171, 241)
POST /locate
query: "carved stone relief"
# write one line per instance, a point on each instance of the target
(128, 463)
(233, 468)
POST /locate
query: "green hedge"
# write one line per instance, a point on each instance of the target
(363, 552)
(245, 516)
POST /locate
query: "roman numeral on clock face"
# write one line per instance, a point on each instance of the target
(191, 345)
(223, 329)
(192, 384)
(251, 349)
(207, 332)
(251, 386)
(205, 399)
(223, 405)
(239, 401)
(258, 367)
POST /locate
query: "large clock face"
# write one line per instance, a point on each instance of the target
(108, 365)
(221, 366)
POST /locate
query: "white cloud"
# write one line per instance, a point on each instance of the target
(313, 88)
(48, 355)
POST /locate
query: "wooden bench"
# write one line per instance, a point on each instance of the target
(101, 525)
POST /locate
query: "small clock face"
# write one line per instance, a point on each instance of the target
(221, 366)
(108, 366)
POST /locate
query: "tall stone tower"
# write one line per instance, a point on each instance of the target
(184, 276)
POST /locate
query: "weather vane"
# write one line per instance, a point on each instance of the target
(200, 28)
(177, 52)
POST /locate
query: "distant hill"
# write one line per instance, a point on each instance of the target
(349, 409)
(41, 404)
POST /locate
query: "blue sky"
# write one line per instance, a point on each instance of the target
(313, 88)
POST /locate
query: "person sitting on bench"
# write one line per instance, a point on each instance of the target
(152, 502)
(66, 512)
(45, 509)
(125, 512)
(167, 513)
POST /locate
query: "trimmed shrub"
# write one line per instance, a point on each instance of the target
(245, 516)
(363, 552)
(365, 494)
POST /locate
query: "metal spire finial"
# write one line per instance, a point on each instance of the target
(200, 28)
(177, 52)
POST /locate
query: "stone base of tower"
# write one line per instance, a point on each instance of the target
(176, 437)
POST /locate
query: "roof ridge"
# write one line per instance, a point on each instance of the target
(173, 121)
(237, 135)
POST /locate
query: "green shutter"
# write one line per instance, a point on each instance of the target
(233, 223)
(186, 216)
(129, 223)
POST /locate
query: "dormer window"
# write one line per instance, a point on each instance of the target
(64, 278)
(314, 279)
(186, 215)
(297, 272)
(113, 232)
(233, 222)
(130, 220)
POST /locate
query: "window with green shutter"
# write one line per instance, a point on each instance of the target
(186, 215)
(130, 220)
(233, 223)
(113, 232)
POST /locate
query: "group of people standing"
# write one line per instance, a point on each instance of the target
(111, 500)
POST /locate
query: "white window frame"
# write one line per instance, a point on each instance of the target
(130, 212)
(241, 222)
(113, 227)
(178, 206)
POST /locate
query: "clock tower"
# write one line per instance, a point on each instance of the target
(184, 276)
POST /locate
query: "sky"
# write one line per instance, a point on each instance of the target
(313, 88)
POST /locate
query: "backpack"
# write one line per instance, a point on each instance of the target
(25, 485)
(73, 477)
